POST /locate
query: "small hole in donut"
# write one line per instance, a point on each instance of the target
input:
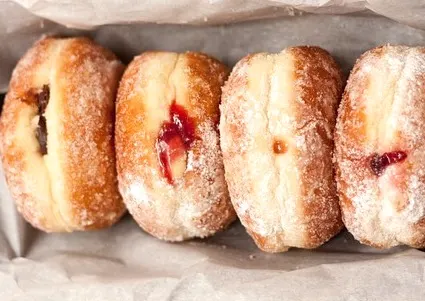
(378, 163)
(41, 132)
(174, 139)
(279, 147)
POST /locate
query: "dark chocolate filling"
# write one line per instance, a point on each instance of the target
(41, 133)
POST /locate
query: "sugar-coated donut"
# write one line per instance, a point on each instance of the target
(170, 168)
(380, 148)
(278, 115)
(57, 135)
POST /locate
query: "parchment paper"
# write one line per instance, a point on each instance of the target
(124, 263)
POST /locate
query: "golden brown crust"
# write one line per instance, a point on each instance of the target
(321, 227)
(197, 203)
(88, 134)
(286, 196)
(82, 78)
(383, 111)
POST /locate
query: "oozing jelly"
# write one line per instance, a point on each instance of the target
(174, 139)
(379, 163)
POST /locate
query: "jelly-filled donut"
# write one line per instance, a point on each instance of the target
(278, 115)
(170, 167)
(380, 148)
(57, 136)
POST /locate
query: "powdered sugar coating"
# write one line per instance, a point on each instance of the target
(383, 111)
(197, 203)
(74, 186)
(286, 199)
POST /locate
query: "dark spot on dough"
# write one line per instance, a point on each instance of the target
(279, 147)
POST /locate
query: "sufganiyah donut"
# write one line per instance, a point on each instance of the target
(278, 115)
(380, 148)
(57, 139)
(170, 167)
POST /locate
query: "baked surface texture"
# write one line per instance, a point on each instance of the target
(380, 148)
(278, 114)
(194, 202)
(73, 186)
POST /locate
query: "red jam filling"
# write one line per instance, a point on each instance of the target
(174, 139)
(379, 163)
